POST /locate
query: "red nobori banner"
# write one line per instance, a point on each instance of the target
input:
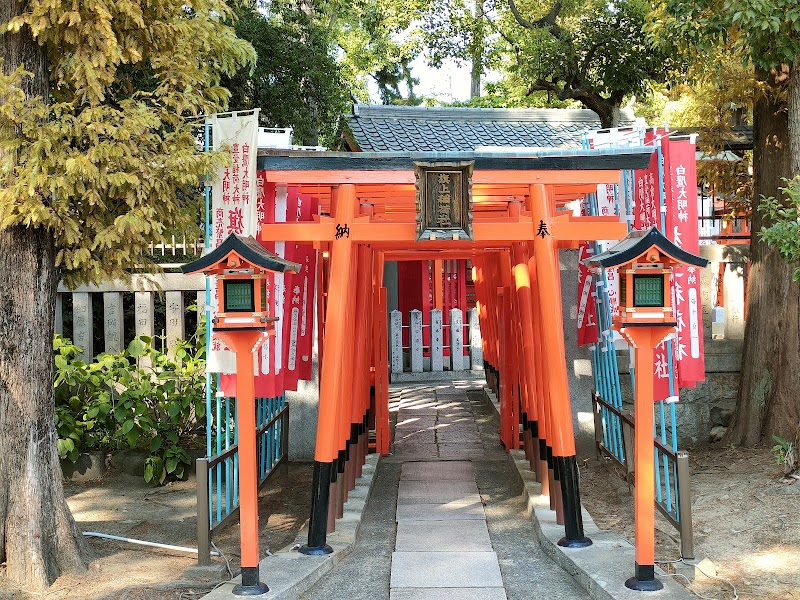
(587, 315)
(682, 228)
(646, 211)
(285, 358)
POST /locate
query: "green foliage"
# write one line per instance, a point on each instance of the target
(764, 32)
(296, 80)
(99, 163)
(588, 51)
(121, 401)
(782, 231)
(785, 454)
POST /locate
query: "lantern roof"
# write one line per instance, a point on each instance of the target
(248, 249)
(637, 243)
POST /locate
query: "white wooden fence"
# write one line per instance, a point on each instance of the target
(144, 289)
(465, 351)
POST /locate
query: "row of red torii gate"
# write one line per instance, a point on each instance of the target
(502, 210)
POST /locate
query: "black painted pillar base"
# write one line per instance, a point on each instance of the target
(250, 585)
(567, 468)
(644, 580)
(318, 523)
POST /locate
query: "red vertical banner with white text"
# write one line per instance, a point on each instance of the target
(303, 287)
(646, 214)
(290, 323)
(646, 211)
(682, 228)
(587, 312)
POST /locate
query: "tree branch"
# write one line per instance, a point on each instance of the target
(546, 22)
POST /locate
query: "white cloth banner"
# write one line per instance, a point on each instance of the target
(233, 202)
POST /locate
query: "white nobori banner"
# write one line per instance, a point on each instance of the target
(233, 201)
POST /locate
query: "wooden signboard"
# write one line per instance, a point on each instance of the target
(444, 200)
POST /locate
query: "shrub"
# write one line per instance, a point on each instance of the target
(139, 398)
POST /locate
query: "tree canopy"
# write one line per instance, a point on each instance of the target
(98, 163)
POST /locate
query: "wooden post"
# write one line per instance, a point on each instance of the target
(522, 285)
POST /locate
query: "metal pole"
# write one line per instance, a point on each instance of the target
(203, 517)
(685, 506)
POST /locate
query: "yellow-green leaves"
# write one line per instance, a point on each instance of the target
(101, 165)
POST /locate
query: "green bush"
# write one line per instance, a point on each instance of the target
(140, 398)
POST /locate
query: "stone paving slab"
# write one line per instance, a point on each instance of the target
(411, 449)
(443, 536)
(414, 421)
(447, 594)
(438, 471)
(417, 436)
(445, 570)
(441, 512)
(437, 492)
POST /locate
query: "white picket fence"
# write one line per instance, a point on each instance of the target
(412, 359)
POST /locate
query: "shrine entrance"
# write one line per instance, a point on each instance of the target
(504, 211)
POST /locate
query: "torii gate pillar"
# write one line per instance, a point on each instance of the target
(561, 435)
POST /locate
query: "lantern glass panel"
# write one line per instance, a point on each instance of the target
(239, 296)
(648, 290)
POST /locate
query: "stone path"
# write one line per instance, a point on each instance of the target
(446, 518)
(442, 537)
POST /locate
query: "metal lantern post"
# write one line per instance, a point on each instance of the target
(242, 322)
(644, 261)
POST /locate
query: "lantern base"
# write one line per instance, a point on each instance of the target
(576, 543)
(644, 580)
(250, 585)
(315, 550)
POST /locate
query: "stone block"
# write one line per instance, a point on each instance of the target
(445, 570)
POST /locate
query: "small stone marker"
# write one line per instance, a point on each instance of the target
(396, 341)
(82, 324)
(456, 340)
(175, 321)
(416, 341)
(475, 344)
(113, 324)
(437, 334)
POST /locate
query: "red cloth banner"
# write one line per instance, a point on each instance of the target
(306, 280)
(587, 315)
(682, 229)
(646, 211)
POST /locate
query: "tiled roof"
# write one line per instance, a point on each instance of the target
(421, 129)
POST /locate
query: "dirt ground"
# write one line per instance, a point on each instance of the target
(746, 519)
(124, 505)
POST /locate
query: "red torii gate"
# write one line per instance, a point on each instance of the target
(368, 215)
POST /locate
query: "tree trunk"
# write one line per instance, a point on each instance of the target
(38, 536)
(477, 52)
(768, 402)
